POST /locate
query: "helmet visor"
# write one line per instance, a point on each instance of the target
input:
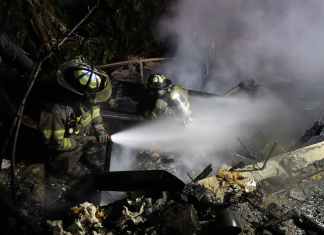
(88, 80)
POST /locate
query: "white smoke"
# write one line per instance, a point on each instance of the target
(216, 126)
(122, 158)
(217, 122)
(218, 43)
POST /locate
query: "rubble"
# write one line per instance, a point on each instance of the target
(228, 182)
(246, 179)
(149, 160)
(262, 204)
(193, 211)
(87, 220)
(255, 196)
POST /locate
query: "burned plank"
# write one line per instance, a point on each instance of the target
(154, 180)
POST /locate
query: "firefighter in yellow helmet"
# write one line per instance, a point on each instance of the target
(74, 127)
(168, 99)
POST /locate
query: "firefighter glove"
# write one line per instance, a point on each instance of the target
(103, 139)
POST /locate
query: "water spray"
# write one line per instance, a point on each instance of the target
(217, 123)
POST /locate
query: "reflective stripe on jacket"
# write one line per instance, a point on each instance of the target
(64, 126)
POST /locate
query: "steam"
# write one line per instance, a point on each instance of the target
(217, 122)
(217, 44)
(216, 126)
(123, 158)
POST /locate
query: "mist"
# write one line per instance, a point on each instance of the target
(123, 158)
(277, 43)
(216, 126)
(217, 43)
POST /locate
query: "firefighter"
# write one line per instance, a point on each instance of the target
(167, 99)
(73, 129)
(163, 99)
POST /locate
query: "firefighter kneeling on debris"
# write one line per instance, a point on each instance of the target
(163, 100)
(167, 99)
(73, 130)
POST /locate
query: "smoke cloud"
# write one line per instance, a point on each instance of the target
(123, 158)
(218, 43)
(216, 126)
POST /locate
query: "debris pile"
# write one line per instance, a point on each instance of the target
(286, 197)
(152, 160)
(87, 220)
(232, 201)
(228, 182)
(195, 210)
(313, 205)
